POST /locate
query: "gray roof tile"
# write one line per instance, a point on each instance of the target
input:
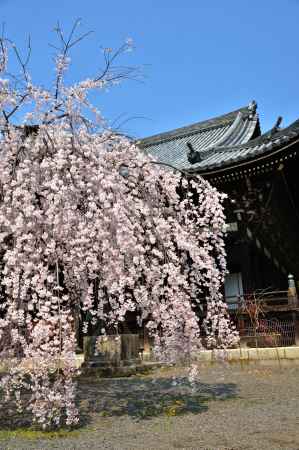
(221, 141)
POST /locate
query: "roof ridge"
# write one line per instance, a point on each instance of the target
(189, 130)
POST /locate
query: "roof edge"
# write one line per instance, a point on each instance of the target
(273, 144)
(219, 121)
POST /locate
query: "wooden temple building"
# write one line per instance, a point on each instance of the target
(259, 173)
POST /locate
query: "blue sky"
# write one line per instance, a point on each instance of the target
(199, 58)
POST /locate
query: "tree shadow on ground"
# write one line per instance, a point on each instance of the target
(139, 398)
(147, 398)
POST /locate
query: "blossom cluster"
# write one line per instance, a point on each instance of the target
(90, 227)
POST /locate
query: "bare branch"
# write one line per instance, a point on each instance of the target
(29, 52)
(21, 62)
(11, 113)
(76, 24)
(79, 39)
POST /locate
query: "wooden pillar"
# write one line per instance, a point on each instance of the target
(296, 325)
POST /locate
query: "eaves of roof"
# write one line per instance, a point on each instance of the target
(225, 157)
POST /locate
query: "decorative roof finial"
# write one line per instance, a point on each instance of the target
(276, 126)
(192, 155)
(252, 107)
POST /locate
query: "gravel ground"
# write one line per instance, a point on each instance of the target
(231, 408)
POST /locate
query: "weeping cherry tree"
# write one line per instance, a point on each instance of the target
(92, 227)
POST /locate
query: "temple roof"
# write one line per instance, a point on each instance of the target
(268, 143)
(218, 143)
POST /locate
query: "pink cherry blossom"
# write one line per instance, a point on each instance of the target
(91, 227)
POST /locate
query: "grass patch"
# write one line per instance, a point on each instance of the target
(32, 434)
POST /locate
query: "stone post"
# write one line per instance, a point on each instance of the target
(147, 344)
(292, 293)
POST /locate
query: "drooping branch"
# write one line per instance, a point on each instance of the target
(98, 229)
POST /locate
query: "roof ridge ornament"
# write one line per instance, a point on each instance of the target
(192, 155)
(276, 127)
(252, 107)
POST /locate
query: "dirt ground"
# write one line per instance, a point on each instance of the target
(229, 408)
